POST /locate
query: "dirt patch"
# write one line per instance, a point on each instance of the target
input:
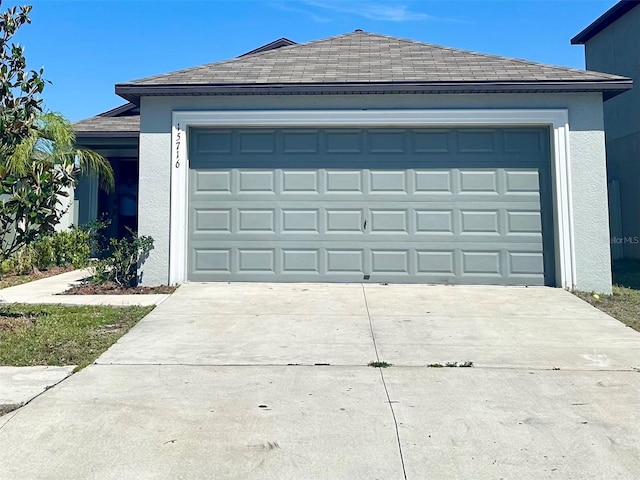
(51, 271)
(16, 322)
(112, 328)
(11, 279)
(6, 408)
(111, 288)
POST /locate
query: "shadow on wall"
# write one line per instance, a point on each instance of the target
(626, 273)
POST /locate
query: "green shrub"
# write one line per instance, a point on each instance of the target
(71, 247)
(45, 256)
(121, 265)
(98, 243)
(26, 260)
(58, 249)
(7, 266)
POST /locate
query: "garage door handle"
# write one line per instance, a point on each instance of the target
(365, 225)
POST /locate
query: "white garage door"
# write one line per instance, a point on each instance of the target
(383, 205)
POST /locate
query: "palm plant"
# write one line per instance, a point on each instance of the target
(52, 144)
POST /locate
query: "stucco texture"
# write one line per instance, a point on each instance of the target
(616, 49)
(587, 158)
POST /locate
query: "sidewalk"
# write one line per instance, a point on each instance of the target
(48, 289)
(19, 385)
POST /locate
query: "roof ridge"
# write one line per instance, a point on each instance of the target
(605, 76)
(487, 56)
(241, 58)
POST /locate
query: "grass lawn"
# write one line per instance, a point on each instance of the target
(61, 335)
(624, 303)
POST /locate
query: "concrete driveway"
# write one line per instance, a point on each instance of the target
(270, 381)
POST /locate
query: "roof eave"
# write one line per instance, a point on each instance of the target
(604, 20)
(609, 88)
(114, 112)
(107, 134)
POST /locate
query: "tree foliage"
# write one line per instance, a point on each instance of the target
(37, 178)
(20, 88)
(52, 142)
(39, 161)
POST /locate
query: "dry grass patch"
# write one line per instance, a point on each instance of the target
(61, 335)
(624, 303)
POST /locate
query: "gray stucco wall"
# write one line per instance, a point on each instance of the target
(616, 49)
(588, 185)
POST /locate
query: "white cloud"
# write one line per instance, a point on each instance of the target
(390, 12)
(289, 7)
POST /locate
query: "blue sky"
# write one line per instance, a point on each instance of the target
(87, 46)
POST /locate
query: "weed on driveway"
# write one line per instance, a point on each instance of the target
(61, 335)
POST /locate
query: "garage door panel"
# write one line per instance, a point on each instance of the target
(431, 141)
(438, 263)
(524, 141)
(415, 205)
(344, 181)
(256, 221)
(345, 260)
(374, 223)
(300, 260)
(343, 141)
(259, 181)
(480, 222)
(481, 263)
(523, 222)
(212, 220)
(434, 181)
(387, 221)
(375, 183)
(344, 220)
(434, 221)
(522, 181)
(482, 182)
(212, 181)
(389, 182)
(434, 262)
(296, 181)
(300, 142)
(208, 142)
(256, 141)
(387, 141)
(300, 220)
(390, 261)
(211, 260)
(477, 141)
(525, 263)
(252, 260)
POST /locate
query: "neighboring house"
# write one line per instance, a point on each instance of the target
(364, 157)
(612, 44)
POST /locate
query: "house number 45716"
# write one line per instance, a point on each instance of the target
(178, 137)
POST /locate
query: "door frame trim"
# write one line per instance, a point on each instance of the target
(555, 119)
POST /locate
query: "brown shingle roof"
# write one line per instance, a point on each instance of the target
(121, 121)
(362, 57)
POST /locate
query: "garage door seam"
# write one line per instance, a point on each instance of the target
(384, 384)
